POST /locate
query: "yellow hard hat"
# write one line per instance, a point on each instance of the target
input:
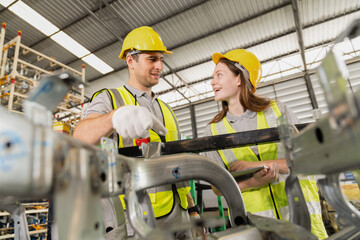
(245, 58)
(143, 39)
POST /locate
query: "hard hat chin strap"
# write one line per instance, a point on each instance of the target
(133, 52)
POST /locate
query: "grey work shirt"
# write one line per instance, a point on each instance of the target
(101, 104)
(247, 122)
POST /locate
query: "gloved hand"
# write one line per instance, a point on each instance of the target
(135, 122)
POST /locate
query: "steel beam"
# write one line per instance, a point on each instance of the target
(218, 142)
(299, 33)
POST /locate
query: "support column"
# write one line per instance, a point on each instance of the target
(193, 121)
(299, 33)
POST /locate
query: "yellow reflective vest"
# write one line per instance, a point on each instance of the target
(163, 197)
(270, 200)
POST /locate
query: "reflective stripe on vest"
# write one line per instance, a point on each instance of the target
(269, 200)
(162, 198)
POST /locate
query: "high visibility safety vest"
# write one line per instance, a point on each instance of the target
(162, 198)
(270, 200)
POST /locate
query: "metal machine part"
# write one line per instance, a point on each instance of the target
(277, 229)
(347, 214)
(331, 145)
(166, 232)
(77, 175)
(151, 173)
(299, 213)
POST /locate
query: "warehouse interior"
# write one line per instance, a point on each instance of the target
(291, 39)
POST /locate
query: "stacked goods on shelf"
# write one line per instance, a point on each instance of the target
(37, 217)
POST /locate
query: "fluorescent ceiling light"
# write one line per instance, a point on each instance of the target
(97, 63)
(6, 3)
(70, 44)
(32, 17)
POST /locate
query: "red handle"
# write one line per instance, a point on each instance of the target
(141, 140)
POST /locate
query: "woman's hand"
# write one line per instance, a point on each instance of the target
(265, 176)
(261, 178)
(243, 165)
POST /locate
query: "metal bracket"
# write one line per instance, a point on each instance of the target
(108, 145)
(277, 229)
(77, 198)
(299, 213)
(152, 149)
(347, 214)
(17, 212)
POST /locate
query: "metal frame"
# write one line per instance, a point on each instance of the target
(330, 146)
(14, 74)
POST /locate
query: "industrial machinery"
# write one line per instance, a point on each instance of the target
(85, 181)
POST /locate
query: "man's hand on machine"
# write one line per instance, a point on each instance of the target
(135, 122)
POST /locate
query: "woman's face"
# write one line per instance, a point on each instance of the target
(225, 84)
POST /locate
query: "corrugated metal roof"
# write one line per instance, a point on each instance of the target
(110, 55)
(312, 11)
(212, 17)
(143, 12)
(197, 72)
(59, 12)
(326, 31)
(90, 33)
(242, 35)
(30, 35)
(52, 49)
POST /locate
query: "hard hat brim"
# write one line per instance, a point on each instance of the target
(168, 52)
(216, 57)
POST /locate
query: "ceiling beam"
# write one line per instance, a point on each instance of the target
(299, 34)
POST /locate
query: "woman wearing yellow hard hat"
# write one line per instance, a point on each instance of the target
(235, 79)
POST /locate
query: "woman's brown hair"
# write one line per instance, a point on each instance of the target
(247, 99)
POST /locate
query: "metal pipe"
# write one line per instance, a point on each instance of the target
(177, 168)
(33, 66)
(2, 38)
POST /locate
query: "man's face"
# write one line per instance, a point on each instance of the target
(148, 67)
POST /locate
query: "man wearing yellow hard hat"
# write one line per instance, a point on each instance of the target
(138, 115)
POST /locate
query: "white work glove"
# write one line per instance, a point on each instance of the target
(135, 122)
